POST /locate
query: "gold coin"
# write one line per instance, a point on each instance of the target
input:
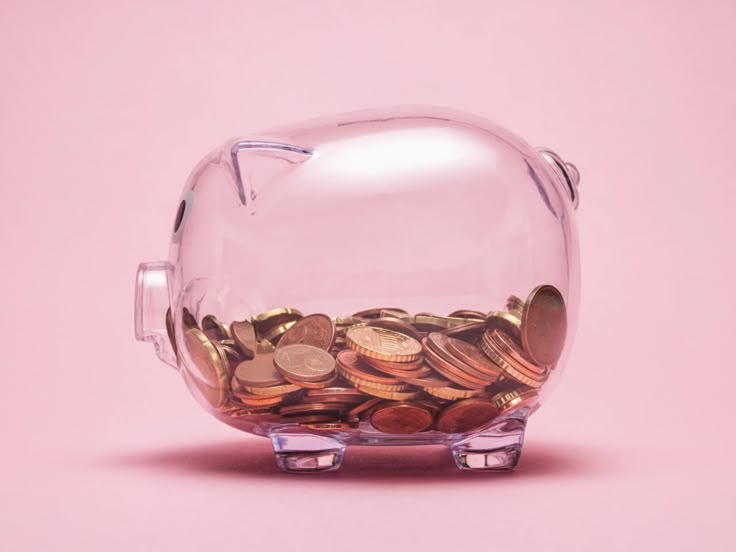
(387, 387)
(214, 329)
(275, 314)
(209, 361)
(264, 346)
(389, 395)
(383, 344)
(453, 393)
(329, 426)
(507, 323)
(513, 400)
(278, 331)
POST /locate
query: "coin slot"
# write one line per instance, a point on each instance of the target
(180, 215)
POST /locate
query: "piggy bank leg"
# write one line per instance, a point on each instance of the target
(307, 453)
(495, 448)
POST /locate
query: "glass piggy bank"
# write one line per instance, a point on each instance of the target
(393, 277)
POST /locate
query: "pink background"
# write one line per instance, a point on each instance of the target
(104, 109)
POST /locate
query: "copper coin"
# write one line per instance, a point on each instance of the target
(505, 322)
(383, 344)
(464, 416)
(244, 335)
(256, 400)
(544, 325)
(213, 328)
(396, 325)
(401, 418)
(209, 362)
(375, 313)
(388, 367)
(259, 372)
(316, 330)
(313, 384)
(440, 344)
(472, 356)
(311, 419)
(304, 362)
(450, 371)
(363, 408)
(431, 380)
(215, 396)
(308, 408)
(467, 332)
(351, 364)
(508, 365)
(464, 313)
(344, 393)
(514, 350)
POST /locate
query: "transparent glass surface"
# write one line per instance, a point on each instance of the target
(431, 224)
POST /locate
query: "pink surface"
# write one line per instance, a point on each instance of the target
(104, 110)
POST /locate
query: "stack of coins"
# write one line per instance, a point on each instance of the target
(380, 369)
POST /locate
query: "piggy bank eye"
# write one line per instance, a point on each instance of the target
(181, 215)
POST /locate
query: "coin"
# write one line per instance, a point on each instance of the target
(347, 394)
(321, 384)
(396, 325)
(512, 349)
(308, 408)
(274, 334)
(209, 361)
(452, 393)
(464, 313)
(213, 328)
(259, 372)
(363, 408)
(329, 426)
(351, 365)
(439, 343)
(515, 306)
(508, 323)
(446, 370)
(464, 416)
(390, 367)
(507, 364)
(170, 330)
(244, 335)
(467, 332)
(544, 325)
(311, 419)
(215, 396)
(514, 400)
(472, 356)
(264, 321)
(383, 344)
(316, 330)
(401, 418)
(431, 380)
(375, 313)
(256, 400)
(304, 362)
(373, 389)
(272, 391)
(264, 346)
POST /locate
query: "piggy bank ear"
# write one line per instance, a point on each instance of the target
(264, 159)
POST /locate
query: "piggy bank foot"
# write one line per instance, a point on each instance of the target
(305, 453)
(496, 448)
